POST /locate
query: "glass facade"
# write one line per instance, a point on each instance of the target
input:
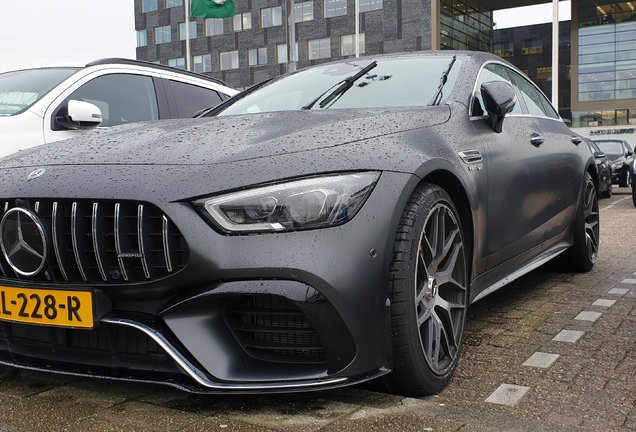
(465, 25)
(616, 117)
(607, 62)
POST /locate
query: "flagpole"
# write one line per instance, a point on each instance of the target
(186, 4)
(357, 38)
(291, 45)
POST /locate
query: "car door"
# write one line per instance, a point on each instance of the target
(564, 152)
(516, 177)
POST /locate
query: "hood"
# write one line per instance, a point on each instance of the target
(218, 140)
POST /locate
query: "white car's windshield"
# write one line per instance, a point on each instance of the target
(21, 89)
(393, 82)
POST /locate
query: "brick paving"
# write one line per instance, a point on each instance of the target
(552, 351)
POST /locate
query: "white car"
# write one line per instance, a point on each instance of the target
(44, 105)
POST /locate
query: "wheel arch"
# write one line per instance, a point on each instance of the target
(454, 187)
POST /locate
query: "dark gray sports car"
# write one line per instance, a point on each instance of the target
(326, 228)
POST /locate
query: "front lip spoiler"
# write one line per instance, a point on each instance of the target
(200, 378)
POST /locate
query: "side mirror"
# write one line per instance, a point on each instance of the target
(599, 154)
(80, 115)
(499, 99)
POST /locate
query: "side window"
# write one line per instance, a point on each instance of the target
(490, 72)
(191, 98)
(122, 98)
(537, 103)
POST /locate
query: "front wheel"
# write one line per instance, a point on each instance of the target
(634, 191)
(429, 293)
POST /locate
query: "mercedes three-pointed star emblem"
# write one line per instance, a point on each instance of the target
(23, 241)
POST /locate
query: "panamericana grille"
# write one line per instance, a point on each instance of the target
(272, 328)
(102, 242)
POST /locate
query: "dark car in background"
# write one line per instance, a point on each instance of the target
(604, 169)
(329, 227)
(621, 158)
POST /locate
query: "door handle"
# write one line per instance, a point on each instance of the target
(577, 139)
(536, 139)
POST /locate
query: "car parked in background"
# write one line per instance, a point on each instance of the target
(49, 104)
(604, 169)
(328, 227)
(634, 181)
(621, 157)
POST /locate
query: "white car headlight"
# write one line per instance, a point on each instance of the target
(617, 165)
(316, 202)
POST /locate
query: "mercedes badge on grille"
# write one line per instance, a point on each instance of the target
(23, 241)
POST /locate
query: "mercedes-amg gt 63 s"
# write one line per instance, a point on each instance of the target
(322, 229)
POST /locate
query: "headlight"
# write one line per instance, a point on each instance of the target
(311, 203)
(617, 165)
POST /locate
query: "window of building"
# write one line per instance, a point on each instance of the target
(202, 63)
(369, 5)
(178, 63)
(619, 117)
(242, 21)
(348, 44)
(319, 48)
(229, 60)
(142, 38)
(304, 11)
(213, 26)
(564, 42)
(543, 74)
(193, 30)
(606, 62)
(257, 56)
(271, 17)
(335, 8)
(281, 53)
(163, 34)
(504, 49)
(465, 25)
(173, 3)
(531, 46)
(148, 5)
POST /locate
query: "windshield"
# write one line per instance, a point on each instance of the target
(611, 147)
(394, 82)
(21, 89)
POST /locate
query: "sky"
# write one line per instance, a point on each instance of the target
(56, 32)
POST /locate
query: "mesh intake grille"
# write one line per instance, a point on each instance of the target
(100, 242)
(274, 329)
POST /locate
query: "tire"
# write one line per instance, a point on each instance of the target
(607, 193)
(626, 178)
(581, 256)
(634, 191)
(429, 294)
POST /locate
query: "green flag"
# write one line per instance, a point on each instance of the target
(212, 8)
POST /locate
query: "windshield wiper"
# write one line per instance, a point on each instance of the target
(343, 86)
(437, 97)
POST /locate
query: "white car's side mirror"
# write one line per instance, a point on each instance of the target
(81, 115)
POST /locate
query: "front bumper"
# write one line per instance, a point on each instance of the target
(277, 312)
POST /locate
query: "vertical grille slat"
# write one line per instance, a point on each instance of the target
(75, 238)
(166, 243)
(56, 241)
(141, 241)
(103, 242)
(118, 249)
(94, 233)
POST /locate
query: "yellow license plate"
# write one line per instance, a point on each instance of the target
(47, 307)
